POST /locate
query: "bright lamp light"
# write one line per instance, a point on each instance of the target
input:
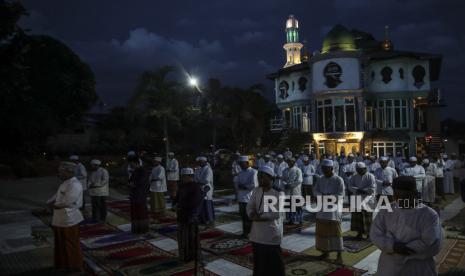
(193, 81)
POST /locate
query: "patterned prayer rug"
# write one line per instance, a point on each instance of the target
(452, 255)
(306, 266)
(354, 245)
(112, 239)
(97, 229)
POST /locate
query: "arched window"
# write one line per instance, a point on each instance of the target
(283, 89)
(418, 74)
(302, 84)
(386, 73)
(401, 73)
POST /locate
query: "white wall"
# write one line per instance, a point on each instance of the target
(396, 84)
(294, 94)
(350, 74)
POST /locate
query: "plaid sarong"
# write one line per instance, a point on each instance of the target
(361, 222)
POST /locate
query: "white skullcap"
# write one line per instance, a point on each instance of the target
(67, 166)
(158, 159)
(74, 157)
(243, 158)
(187, 171)
(425, 161)
(445, 156)
(384, 158)
(267, 156)
(327, 163)
(305, 158)
(413, 159)
(265, 169)
(360, 165)
(96, 162)
(259, 154)
(280, 156)
(202, 158)
(131, 153)
(170, 153)
(351, 155)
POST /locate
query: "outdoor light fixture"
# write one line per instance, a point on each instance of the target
(193, 81)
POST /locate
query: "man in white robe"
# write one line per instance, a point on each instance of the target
(172, 177)
(244, 184)
(291, 182)
(204, 176)
(328, 231)
(385, 175)
(449, 167)
(362, 184)
(349, 169)
(308, 172)
(281, 165)
(158, 186)
(81, 175)
(429, 183)
(409, 237)
(268, 161)
(415, 170)
(287, 154)
(98, 189)
(439, 163)
(373, 165)
(259, 161)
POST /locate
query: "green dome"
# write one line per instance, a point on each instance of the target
(338, 39)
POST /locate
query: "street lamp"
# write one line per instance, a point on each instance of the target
(193, 81)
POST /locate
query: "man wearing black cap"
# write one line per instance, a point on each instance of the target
(409, 235)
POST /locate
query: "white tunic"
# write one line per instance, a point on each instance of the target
(385, 175)
(419, 228)
(69, 194)
(204, 175)
(373, 167)
(292, 180)
(259, 162)
(98, 182)
(270, 164)
(363, 185)
(270, 230)
(418, 172)
(158, 180)
(244, 183)
(308, 171)
(278, 170)
(173, 170)
(333, 185)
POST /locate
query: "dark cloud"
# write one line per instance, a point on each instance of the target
(239, 41)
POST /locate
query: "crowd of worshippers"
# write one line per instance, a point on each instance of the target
(409, 237)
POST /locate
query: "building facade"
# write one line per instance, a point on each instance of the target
(358, 95)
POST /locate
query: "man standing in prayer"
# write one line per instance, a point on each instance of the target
(172, 177)
(287, 154)
(429, 182)
(281, 165)
(66, 219)
(415, 170)
(328, 232)
(292, 184)
(204, 176)
(449, 166)
(439, 163)
(189, 197)
(81, 175)
(349, 169)
(259, 161)
(98, 190)
(410, 236)
(373, 165)
(362, 184)
(139, 183)
(157, 186)
(385, 175)
(267, 227)
(268, 162)
(244, 184)
(308, 172)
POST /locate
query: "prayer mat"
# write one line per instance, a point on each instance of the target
(304, 267)
(222, 218)
(452, 255)
(160, 267)
(121, 237)
(355, 245)
(93, 230)
(223, 244)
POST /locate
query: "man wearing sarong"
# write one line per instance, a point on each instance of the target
(308, 172)
(449, 167)
(172, 176)
(244, 184)
(157, 186)
(267, 227)
(410, 236)
(439, 163)
(417, 171)
(81, 174)
(279, 168)
(292, 184)
(429, 182)
(385, 175)
(362, 184)
(139, 183)
(204, 176)
(98, 190)
(189, 197)
(348, 170)
(66, 218)
(328, 232)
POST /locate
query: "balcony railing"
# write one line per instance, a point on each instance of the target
(278, 124)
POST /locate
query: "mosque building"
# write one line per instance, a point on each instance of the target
(358, 95)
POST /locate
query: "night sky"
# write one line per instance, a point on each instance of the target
(239, 42)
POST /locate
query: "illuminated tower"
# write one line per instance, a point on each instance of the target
(292, 45)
